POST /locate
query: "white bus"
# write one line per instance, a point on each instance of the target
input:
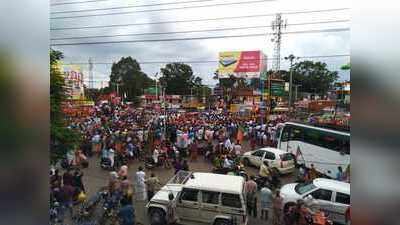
(325, 148)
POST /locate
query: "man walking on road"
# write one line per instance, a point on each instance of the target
(140, 186)
(265, 202)
(251, 196)
(152, 184)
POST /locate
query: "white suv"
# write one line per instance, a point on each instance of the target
(277, 159)
(332, 197)
(207, 198)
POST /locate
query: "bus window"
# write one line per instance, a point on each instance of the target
(296, 134)
(345, 145)
(312, 137)
(285, 134)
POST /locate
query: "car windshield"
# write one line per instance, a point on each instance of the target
(303, 188)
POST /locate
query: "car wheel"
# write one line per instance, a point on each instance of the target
(246, 162)
(157, 217)
(222, 222)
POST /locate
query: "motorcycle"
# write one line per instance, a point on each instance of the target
(150, 164)
(270, 182)
(105, 164)
(110, 207)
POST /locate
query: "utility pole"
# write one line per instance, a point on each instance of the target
(277, 25)
(156, 86)
(90, 73)
(291, 57)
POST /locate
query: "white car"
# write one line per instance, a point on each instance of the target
(331, 196)
(204, 198)
(277, 159)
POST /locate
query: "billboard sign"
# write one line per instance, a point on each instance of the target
(277, 88)
(241, 64)
(73, 77)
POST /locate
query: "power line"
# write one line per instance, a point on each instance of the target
(81, 2)
(132, 6)
(158, 10)
(199, 38)
(192, 31)
(206, 61)
(198, 20)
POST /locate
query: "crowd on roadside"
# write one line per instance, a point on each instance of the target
(122, 134)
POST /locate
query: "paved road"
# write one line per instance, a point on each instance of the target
(95, 177)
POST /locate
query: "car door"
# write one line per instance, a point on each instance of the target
(324, 199)
(210, 206)
(232, 205)
(270, 158)
(257, 157)
(188, 205)
(340, 205)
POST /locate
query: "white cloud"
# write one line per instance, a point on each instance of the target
(298, 44)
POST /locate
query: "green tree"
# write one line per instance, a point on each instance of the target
(312, 76)
(127, 74)
(178, 79)
(346, 66)
(62, 139)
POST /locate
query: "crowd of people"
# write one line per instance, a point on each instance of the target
(121, 134)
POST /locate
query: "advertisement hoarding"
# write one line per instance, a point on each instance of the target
(73, 81)
(241, 64)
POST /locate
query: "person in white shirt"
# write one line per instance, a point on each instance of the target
(264, 138)
(227, 163)
(228, 144)
(156, 153)
(238, 149)
(111, 156)
(140, 186)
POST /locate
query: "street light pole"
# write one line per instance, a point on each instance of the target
(291, 57)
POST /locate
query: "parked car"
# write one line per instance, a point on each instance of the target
(331, 196)
(206, 198)
(279, 160)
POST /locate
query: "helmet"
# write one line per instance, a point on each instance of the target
(81, 197)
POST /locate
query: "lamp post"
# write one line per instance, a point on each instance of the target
(291, 57)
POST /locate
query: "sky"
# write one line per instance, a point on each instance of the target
(299, 44)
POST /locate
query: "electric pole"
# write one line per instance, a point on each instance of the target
(156, 86)
(90, 73)
(277, 25)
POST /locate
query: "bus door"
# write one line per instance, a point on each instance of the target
(291, 139)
